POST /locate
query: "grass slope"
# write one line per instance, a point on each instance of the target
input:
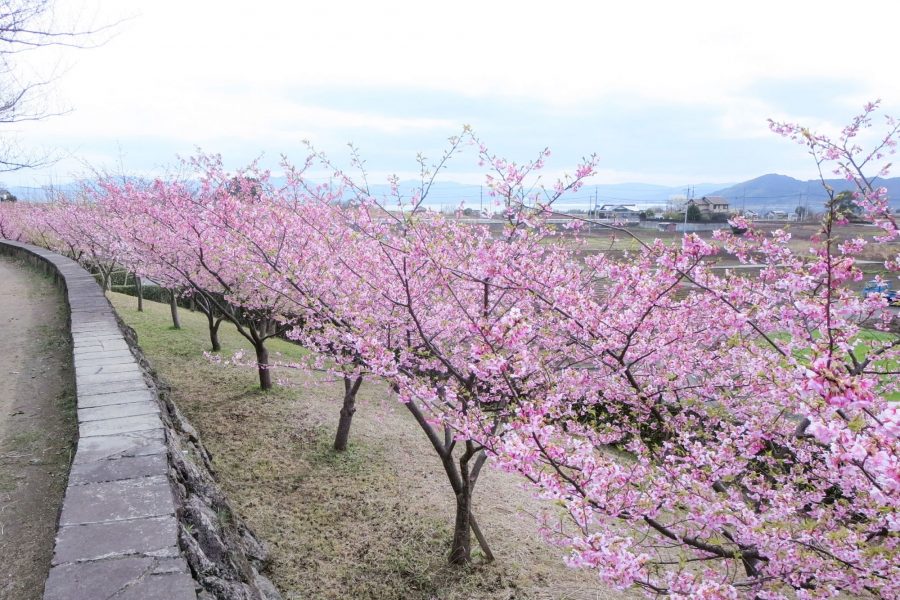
(374, 522)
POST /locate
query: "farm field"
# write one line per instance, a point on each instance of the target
(605, 240)
(617, 244)
(372, 523)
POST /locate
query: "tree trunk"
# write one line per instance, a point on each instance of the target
(461, 548)
(206, 307)
(105, 276)
(462, 477)
(173, 307)
(262, 362)
(482, 541)
(139, 285)
(214, 333)
(351, 387)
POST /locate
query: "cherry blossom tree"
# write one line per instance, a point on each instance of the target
(724, 437)
(193, 224)
(79, 229)
(175, 234)
(429, 308)
(11, 221)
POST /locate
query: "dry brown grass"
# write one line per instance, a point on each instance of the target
(371, 523)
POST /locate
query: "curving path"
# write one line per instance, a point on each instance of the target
(117, 535)
(37, 425)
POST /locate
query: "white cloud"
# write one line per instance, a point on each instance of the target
(197, 116)
(206, 70)
(697, 51)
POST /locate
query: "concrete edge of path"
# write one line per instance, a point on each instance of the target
(117, 534)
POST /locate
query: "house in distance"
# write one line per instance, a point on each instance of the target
(617, 212)
(709, 205)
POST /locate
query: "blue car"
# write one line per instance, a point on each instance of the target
(883, 288)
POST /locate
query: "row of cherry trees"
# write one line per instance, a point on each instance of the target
(703, 434)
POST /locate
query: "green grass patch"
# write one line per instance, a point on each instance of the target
(865, 342)
(24, 441)
(8, 481)
(863, 345)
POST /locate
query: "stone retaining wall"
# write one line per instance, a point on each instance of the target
(142, 517)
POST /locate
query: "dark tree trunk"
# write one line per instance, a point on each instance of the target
(105, 276)
(488, 554)
(351, 387)
(462, 478)
(173, 307)
(262, 363)
(214, 333)
(139, 285)
(461, 547)
(207, 308)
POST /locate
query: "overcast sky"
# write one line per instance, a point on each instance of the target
(664, 92)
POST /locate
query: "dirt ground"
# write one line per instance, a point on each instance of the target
(37, 426)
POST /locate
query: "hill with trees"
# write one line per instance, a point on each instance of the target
(773, 191)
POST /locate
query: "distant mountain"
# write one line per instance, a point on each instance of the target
(775, 191)
(768, 192)
(41, 194)
(645, 193)
(449, 195)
